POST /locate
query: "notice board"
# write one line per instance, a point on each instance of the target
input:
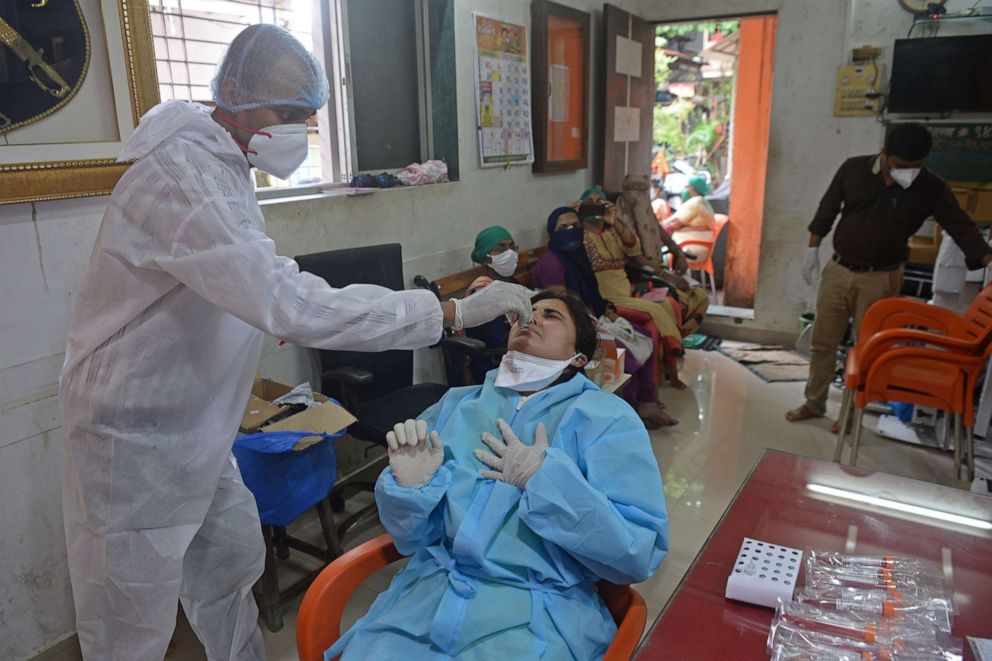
(961, 152)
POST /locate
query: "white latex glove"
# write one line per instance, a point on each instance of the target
(811, 264)
(413, 460)
(496, 299)
(513, 462)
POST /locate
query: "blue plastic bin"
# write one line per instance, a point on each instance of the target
(286, 483)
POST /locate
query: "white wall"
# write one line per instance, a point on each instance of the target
(43, 253)
(41, 259)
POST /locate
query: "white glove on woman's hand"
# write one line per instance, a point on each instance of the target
(492, 301)
(413, 456)
(513, 462)
(811, 264)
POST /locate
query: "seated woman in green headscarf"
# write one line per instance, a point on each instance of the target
(695, 213)
(609, 245)
(495, 256)
(695, 219)
(495, 253)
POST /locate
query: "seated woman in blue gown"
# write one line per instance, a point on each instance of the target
(514, 498)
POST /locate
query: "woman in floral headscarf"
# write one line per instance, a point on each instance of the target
(608, 245)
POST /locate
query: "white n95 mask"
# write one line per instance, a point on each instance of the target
(505, 263)
(279, 149)
(525, 373)
(904, 176)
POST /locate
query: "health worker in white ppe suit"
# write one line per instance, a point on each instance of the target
(164, 340)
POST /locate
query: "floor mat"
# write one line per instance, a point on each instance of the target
(769, 361)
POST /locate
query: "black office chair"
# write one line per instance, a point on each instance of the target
(377, 387)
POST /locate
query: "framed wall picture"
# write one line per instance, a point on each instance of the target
(561, 87)
(75, 77)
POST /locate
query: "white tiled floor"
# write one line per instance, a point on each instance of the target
(728, 416)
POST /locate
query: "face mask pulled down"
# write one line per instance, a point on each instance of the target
(525, 373)
(505, 263)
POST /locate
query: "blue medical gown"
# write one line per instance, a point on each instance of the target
(500, 572)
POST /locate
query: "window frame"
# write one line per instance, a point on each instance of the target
(337, 11)
(339, 158)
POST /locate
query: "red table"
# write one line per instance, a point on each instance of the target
(805, 503)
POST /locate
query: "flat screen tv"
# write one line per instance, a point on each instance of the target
(942, 75)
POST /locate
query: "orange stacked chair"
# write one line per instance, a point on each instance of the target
(318, 625)
(937, 367)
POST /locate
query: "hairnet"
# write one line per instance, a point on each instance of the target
(487, 240)
(271, 68)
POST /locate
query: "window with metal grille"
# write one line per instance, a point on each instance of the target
(192, 35)
(381, 57)
(190, 38)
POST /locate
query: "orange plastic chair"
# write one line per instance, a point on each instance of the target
(318, 624)
(884, 328)
(886, 321)
(706, 266)
(925, 376)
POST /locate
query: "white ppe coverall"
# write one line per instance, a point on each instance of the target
(164, 340)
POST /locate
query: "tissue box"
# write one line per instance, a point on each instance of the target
(612, 360)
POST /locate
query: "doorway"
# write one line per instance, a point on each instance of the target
(710, 129)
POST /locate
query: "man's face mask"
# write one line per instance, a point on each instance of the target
(904, 176)
(279, 149)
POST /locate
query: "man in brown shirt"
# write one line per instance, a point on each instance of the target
(883, 200)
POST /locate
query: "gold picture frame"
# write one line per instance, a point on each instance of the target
(80, 159)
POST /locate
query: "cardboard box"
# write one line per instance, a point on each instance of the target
(327, 418)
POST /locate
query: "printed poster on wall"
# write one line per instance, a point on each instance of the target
(502, 77)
